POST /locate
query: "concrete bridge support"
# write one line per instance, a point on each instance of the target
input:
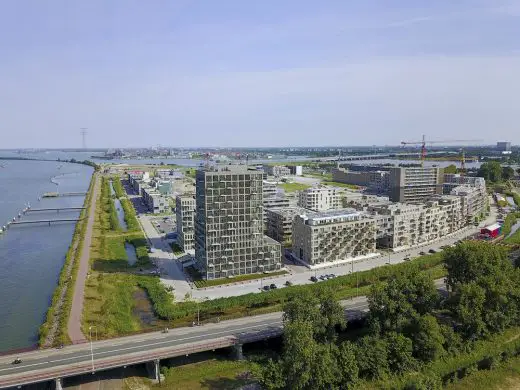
(59, 386)
(154, 370)
(237, 351)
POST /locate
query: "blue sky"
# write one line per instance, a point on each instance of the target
(269, 73)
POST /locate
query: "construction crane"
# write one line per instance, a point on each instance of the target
(423, 146)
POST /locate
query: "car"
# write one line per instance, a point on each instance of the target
(422, 253)
(288, 283)
(266, 288)
(323, 277)
(432, 251)
(314, 279)
(407, 258)
(17, 361)
(445, 246)
(332, 275)
(273, 286)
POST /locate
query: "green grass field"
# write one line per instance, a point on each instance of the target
(199, 283)
(292, 187)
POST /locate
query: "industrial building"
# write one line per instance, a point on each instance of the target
(185, 215)
(280, 222)
(375, 180)
(414, 184)
(332, 236)
(277, 170)
(229, 236)
(321, 198)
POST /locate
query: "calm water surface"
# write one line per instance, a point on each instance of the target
(31, 256)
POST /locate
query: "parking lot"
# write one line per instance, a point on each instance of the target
(164, 225)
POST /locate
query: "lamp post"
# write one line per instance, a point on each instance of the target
(91, 347)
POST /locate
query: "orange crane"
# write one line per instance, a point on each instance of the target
(423, 147)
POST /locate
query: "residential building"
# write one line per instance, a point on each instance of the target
(414, 184)
(332, 236)
(185, 213)
(320, 198)
(229, 236)
(270, 188)
(452, 180)
(296, 170)
(280, 222)
(277, 170)
(374, 180)
(155, 202)
(274, 202)
(474, 202)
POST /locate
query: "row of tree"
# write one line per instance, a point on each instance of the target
(410, 324)
(493, 172)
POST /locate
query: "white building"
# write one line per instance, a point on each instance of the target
(277, 170)
(320, 198)
(153, 199)
(332, 236)
(185, 213)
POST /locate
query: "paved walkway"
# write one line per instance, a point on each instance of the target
(74, 325)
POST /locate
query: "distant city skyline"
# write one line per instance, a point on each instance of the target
(268, 74)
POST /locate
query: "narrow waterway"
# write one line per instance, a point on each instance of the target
(119, 209)
(130, 253)
(514, 228)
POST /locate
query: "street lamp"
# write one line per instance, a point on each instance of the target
(91, 347)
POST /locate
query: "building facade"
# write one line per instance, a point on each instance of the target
(504, 146)
(320, 198)
(229, 236)
(280, 222)
(277, 170)
(154, 200)
(414, 184)
(374, 180)
(331, 236)
(185, 213)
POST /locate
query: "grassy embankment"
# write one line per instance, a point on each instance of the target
(200, 283)
(110, 288)
(59, 310)
(510, 220)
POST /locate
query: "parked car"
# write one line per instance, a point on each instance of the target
(432, 251)
(314, 279)
(17, 361)
(422, 253)
(266, 288)
(332, 275)
(288, 283)
(273, 286)
(407, 258)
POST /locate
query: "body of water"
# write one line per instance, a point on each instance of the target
(31, 256)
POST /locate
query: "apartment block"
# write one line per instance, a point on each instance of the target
(414, 184)
(452, 180)
(320, 198)
(330, 236)
(270, 188)
(153, 199)
(229, 236)
(474, 201)
(374, 180)
(405, 224)
(280, 222)
(185, 213)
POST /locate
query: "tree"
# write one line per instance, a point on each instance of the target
(400, 353)
(452, 168)
(491, 171)
(427, 338)
(347, 364)
(372, 358)
(325, 371)
(299, 354)
(332, 316)
(270, 375)
(401, 299)
(507, 173)
(469, 309)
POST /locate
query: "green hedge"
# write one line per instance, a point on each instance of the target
(118, 187)
(130, 216)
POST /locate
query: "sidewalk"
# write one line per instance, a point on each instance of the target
(74, 325)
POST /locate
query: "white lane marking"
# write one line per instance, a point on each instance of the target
(135, 347)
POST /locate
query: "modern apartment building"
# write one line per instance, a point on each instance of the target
(185, 213)
(320, 198)
(474, 201)
(229, 236)
(331, 236)
(504, 146)
(269, 188)
(154, 200)
(406, 224)
(414, 184)
(452, 180)
(280, 222)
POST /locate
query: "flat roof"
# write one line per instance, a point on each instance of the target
(493, 227)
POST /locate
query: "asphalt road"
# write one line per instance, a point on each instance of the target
(39, 361)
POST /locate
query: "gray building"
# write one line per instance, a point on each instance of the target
(280, 222)
(374, 180)
(229, 236)
(414, 184)
(185, 213)
(504, 146)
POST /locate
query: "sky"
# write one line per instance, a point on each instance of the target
(223, 73)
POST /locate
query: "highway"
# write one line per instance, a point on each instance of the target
(49, 364)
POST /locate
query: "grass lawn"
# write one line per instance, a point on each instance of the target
(212, 374)
(338, 184)
(292, 187)
(504, 377)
